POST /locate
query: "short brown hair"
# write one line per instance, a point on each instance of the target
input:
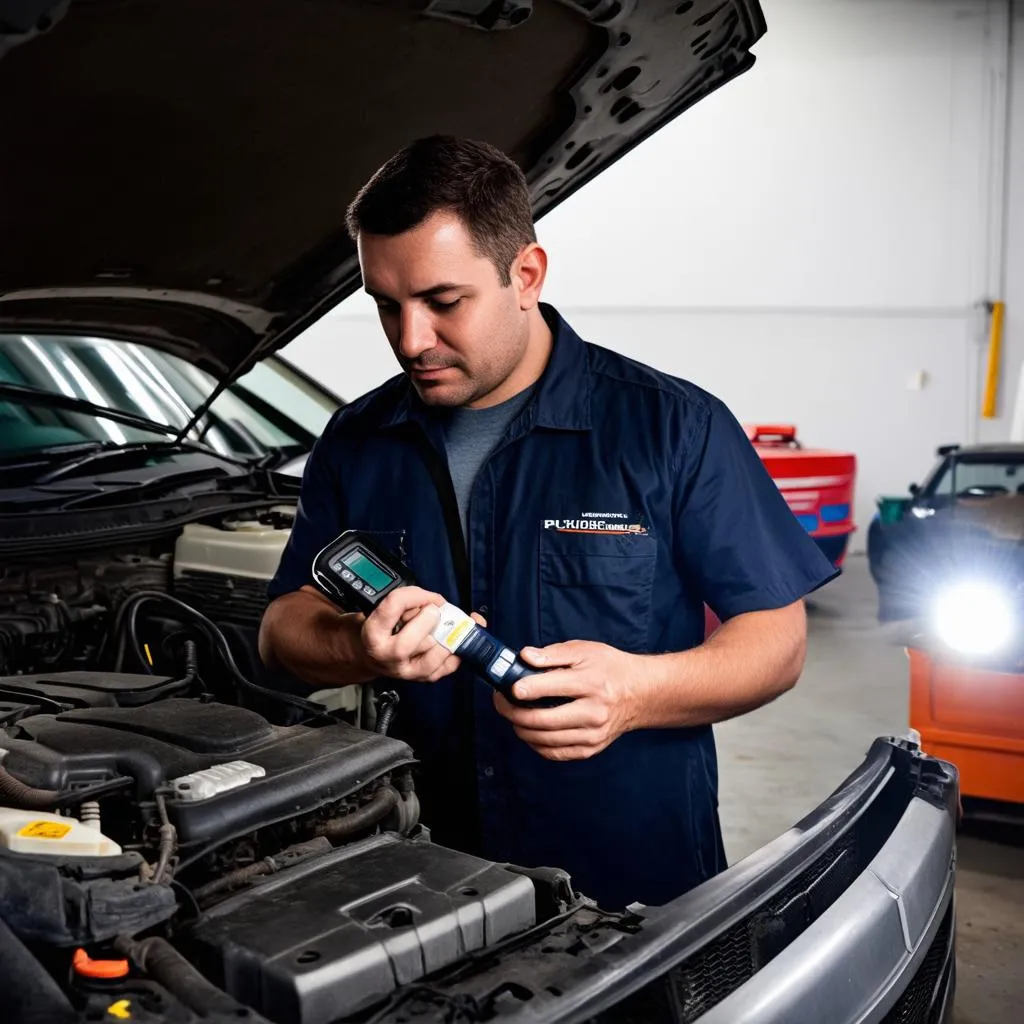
(474, 180)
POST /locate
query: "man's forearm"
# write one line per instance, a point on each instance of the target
(748, 662)
(306, 635)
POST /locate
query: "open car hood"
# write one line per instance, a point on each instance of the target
(177, 171)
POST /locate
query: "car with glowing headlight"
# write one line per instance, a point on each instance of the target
(950, 560)
(967, 660)
(963, 526)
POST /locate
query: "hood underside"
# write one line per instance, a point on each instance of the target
(177, 171)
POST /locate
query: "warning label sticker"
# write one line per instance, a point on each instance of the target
(45, 830)
(452, 627)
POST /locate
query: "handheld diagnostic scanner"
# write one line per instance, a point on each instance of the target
(356, 573)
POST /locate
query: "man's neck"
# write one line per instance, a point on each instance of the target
(531, 367)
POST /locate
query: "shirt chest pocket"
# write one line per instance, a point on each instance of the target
(596, 587)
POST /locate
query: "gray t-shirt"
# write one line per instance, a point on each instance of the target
(470, 437)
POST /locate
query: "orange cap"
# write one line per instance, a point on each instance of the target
(89, 968)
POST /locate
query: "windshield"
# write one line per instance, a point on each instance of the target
(974, 476)
(271, 407)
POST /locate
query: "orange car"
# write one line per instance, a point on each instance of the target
(967, 678)
(973, 718)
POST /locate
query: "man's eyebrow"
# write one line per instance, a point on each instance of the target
(426, 293)
(437, 289)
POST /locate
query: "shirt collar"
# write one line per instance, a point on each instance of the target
(563, 392)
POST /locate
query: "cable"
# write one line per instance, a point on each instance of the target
(386, 710)
(168, 840)
(218, 640)
(70, 797)
(197, 912)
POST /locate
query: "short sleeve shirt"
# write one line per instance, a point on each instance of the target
(619, 503)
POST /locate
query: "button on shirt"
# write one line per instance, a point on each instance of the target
(618, 501)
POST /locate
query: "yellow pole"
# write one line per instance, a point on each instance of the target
(995, 344)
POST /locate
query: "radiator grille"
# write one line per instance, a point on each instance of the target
(686, 992)
(706, 979)
(918, 1004)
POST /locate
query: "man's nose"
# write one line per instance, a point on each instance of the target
(416, 333)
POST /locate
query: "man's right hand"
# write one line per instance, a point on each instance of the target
(397, 640)
(307, 635)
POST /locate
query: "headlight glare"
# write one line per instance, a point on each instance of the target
(975, 618)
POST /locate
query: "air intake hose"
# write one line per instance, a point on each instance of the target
(159, 959)
(344, 828)
(15, 793)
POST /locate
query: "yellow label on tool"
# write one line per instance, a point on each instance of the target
(122, 1010)
(45, 830)
(454, 638)
(453, 626)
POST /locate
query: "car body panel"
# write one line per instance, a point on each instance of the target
(818, 485)
(893, 913)
(974, 718)
(175, 240)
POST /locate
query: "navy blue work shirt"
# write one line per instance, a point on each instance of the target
(619, 502)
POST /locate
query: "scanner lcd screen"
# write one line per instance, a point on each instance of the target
(367, 571)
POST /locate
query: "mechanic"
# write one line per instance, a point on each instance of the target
(586, 505)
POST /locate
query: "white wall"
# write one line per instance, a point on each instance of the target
(810, 240)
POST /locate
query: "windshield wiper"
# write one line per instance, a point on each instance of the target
(111, 449)
(51, 400)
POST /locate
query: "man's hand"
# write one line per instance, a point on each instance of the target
(604, 682)
(396, 637)
(752, 659)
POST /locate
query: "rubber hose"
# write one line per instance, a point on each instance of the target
(15, 791)
(389, 702)
(383, 802)
(159, 959)
(268, 866)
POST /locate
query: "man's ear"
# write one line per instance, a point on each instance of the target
(528, 274)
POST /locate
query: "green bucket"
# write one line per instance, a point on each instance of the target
(892, 508)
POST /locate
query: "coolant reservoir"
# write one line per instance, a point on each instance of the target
(43, 832)
(237, 549)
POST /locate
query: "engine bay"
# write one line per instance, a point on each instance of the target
(186, 838)
(60, 613)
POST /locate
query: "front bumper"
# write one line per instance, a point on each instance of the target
(847, 917)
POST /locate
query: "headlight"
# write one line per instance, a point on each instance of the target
(975, 618)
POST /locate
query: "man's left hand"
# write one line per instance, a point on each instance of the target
(605, 683)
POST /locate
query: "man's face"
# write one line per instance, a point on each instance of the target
(457, 332)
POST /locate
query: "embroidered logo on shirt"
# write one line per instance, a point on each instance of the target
(598, 522)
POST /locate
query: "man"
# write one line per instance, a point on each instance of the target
(584, 504)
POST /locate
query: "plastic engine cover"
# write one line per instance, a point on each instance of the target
(246, 772)
(340, 933)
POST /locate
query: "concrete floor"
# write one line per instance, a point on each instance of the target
(781, 761)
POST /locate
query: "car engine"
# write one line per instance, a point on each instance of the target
(55, 613)
(182, 842)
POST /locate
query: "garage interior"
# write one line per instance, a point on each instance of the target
(837, 223)
(782, 759)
